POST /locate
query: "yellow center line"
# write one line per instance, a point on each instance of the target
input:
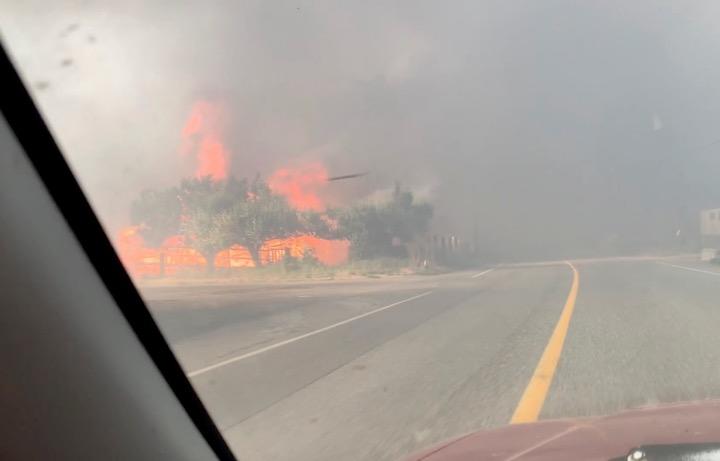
(533, 398)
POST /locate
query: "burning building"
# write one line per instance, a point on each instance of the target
(173, 257)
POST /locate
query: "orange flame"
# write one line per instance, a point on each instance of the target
(176, 258)
(141, 261)
(201, 136)
(201, 139)
(301, 185)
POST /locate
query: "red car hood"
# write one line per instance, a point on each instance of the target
(598, 438)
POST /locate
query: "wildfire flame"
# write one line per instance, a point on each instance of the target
(174, 257)
(201, 139)
(201, 136)
(301, 186)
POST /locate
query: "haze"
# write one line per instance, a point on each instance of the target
(538, 129)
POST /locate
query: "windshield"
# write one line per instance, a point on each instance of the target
(366, 228)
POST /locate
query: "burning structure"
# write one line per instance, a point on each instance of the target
(174, 257)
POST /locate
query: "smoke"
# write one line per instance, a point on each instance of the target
(540, 129)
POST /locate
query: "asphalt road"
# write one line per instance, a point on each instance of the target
(374, 370)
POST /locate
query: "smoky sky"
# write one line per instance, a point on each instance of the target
(537, 129)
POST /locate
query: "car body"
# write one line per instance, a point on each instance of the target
(599, 438)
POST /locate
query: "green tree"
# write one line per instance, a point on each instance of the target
(261, 216)
(157, 213)
(322, 225)
(365, 228)
(212, 215)
(206, 214)
(408, 220)
(377, 230)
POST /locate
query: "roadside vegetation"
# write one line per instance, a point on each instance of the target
(299, 270)
(213, 215)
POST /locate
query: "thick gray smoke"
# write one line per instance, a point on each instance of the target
(537, 129)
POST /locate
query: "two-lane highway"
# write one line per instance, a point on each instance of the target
(381, 368)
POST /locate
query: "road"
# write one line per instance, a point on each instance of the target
(377, 369)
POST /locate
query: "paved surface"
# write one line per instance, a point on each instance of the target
(374, 370)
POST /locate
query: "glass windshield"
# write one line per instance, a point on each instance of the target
(367, 228)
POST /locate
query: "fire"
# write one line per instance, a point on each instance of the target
(173, 257)
(301, 186)
(201, 139)
(328, 252)
(129, 247)
(201, 136)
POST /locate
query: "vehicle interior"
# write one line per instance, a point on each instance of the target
(87, 374)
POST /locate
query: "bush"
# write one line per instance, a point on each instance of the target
(309, 259)
(382, 230)
(290, 263)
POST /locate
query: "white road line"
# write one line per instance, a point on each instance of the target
(298, 338)
(480, 274)
(692, 269)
